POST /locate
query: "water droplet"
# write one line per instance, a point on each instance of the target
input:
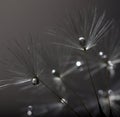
(35, 81)
(82, 41)
(110, 63)
(55, 73)
(101, 53)
(78, 63)
(103, 56)
(81, 38)
(64, 101)
(29, 111)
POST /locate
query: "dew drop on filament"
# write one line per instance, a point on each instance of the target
(55, 73)
(101, 53)
(82, 41)
(78, 64)
(35, 81)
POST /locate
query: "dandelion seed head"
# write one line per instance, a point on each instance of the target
(35, 81)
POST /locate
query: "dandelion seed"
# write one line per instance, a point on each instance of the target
(91, 25)
(27, 66)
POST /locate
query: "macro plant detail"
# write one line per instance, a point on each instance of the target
(68, 66)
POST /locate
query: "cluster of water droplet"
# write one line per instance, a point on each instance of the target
(106, 60)
(30, 111)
